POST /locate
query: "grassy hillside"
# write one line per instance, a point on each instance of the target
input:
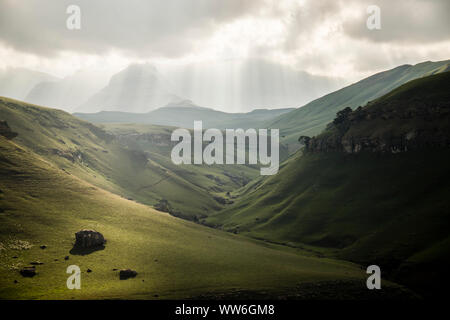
(141, 172)
(312, 118)
(377, 203)
(44, 200)
(365, 208)
(44, 205)
(155, 141)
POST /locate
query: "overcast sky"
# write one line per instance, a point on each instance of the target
(327, 38)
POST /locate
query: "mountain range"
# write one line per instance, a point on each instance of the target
(309, 119)
(67, 93)
(312, 118)
(16, 83)
(229, 85)
(184, 113)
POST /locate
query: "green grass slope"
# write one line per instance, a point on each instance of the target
(312, 118)
(141, 172)
(386, 208)
(43, 205)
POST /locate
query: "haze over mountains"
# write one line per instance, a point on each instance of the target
(138, 88)
(17, 82)
(233, 86)
(228, 85)
(67, 93)
(184, 113)
(238, 85)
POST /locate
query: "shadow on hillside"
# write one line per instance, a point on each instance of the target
(79, 251)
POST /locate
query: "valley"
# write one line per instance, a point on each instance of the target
(369, 189)
(47, 196)
(225, 159)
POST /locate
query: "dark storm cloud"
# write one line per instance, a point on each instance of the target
(142, 28)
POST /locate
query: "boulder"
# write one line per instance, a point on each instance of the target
(28, 272)
(89, 239)
(6, 131)
(127, 273)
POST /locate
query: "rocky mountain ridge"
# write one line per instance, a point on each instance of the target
(390, 124)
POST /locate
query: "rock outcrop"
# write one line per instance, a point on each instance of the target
(386, 126)
(6, 131)
(71, 155)
(89, 239)
(126, 274)
(28, 272)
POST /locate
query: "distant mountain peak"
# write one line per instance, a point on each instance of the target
(139, 88)
(181, 103)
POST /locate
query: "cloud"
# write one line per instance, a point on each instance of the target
(304, 21)
(323, 37)
(403, 21)
(139, 28)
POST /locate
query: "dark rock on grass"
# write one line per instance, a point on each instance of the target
(28, 272)
(88, 270)
(15, 257)
(223, 200)
(66, 258)
(114, 269)
(43, 246)
(6, 131)
(36, 263)
(88, 241)
(163, 205)
(15, 281)
(127, 273)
